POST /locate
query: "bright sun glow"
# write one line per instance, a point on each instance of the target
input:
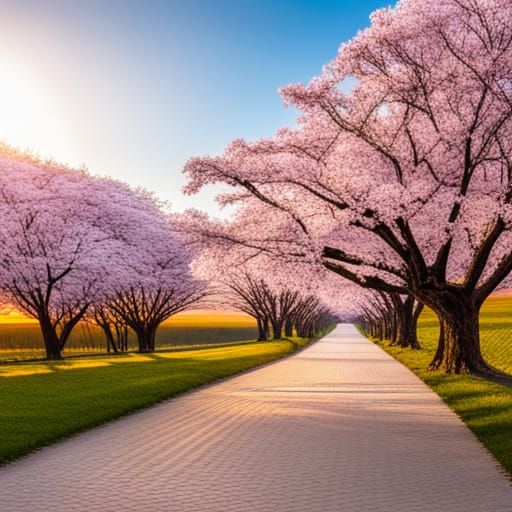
(29, 119)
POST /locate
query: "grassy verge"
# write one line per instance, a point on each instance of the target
(41, 402)
(484, 406)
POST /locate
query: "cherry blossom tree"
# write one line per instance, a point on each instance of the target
(279, 312)
(281, 299)
(287, 248)
(58, 243)
(387, 316)
(73, 243)
(158, 281)
(401, 166)
(249, 296)
(249, 286)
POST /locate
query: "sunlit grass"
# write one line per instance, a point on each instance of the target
(224, 351)
(45, 401)
(23, 341)
(486, 407)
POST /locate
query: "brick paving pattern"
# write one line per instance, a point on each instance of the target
(340, 426)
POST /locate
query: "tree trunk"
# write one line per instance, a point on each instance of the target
(462, 344)
(69, 325)
(408, 337)
(262, 334)
(405, 334)
(277, 330)
(379, 328)
(301, 327)
(437, 361)
(459, 347)
(51, 339)
(288, 328)
(386, 329)
(124, 339)
(395, 327)
(311, 330)
(109, 337)
(266, 328)
(153, 338)
(121, 340)
(146, 335)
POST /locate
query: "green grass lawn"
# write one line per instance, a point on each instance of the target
(486, 407)
(41, 402)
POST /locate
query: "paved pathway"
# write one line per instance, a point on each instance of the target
(340, 427)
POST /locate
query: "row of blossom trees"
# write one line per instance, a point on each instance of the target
(243, 280)
(74, 246)
(388, 316)
(398, 175)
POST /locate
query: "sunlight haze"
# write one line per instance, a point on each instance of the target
(133, 92)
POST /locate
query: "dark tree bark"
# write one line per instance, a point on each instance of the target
(56, 332)
(146, 337)
(266, 328)
(406, 333)
(288, 327)
(437, 361)
(263, 329)
(109, 337)
(255, 297)
(390, 316)
(277, 330)
(459, 341)
(51, 339)
(121, 336)
(103, 320)
(260, 328)
(144, 310)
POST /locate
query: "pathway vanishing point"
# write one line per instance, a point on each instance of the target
(340, 426)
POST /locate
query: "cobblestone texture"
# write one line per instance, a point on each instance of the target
(341, 426)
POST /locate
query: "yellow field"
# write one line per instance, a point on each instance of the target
(199, 317)
(20, 338)
(208, 318)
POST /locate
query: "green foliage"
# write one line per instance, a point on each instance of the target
(44, 401)
(486, 407)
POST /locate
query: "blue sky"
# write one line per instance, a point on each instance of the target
(134, 88)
